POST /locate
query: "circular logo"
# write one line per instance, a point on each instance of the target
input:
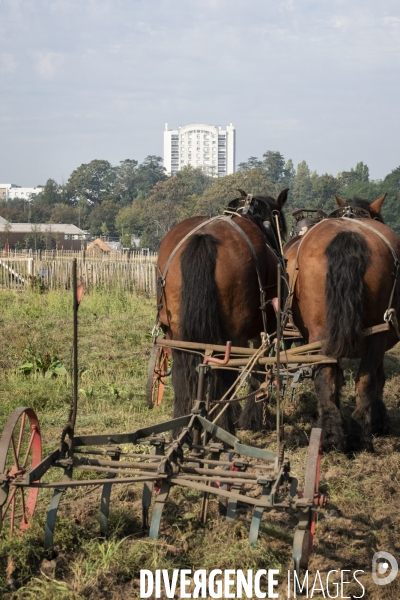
(380, 568)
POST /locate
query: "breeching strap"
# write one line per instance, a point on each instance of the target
(227, 219)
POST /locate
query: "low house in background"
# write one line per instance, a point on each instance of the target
(98, 248)
(42, 235)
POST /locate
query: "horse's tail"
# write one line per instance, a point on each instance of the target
(199, 316)
(199, 321)
(348, 257)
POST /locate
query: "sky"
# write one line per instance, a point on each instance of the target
(98, 79)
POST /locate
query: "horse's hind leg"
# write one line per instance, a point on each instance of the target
(380, 420)
(328, 382)
(370, 415)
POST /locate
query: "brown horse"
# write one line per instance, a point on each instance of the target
(211, 293)
(344, 278)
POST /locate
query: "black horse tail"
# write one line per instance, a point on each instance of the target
(199, 322)
(199, 318)
(345, 291)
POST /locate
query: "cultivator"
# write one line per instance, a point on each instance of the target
(202, 456)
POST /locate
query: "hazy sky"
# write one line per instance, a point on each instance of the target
(86, 79)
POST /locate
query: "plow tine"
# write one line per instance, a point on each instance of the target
(232, 505)
(256, 520)
(158, 509)
(148, 490)
(105, 500)
(52, 511)
(146, 501)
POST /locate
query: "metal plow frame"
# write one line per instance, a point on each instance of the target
(203, 457)
(203, 467)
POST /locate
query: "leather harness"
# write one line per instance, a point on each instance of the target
(227, 218)
(390, 314)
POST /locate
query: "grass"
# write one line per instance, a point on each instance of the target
(363, 515)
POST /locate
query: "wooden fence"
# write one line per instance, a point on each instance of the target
(113, 256)
(21, 272)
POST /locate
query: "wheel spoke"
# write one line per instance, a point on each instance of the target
(21, 433)
(24, 514)
(7, 506)
(14, 452)
(29, 448)
(12, 515)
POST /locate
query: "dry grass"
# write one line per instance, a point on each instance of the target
(363, 515)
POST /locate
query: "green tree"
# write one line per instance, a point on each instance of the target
(149, 173)
(65, 213)
(126, 183)
(94, 181)
(103, 213)
(302, 189)
(131, 219)
(274, 165)
(289, 174)
(252, 163)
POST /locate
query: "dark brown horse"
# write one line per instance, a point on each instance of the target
(211, 294)
(343, 277)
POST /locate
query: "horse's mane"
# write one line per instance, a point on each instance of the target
(258, 215)
(365, 204)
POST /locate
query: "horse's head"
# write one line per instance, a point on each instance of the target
(264, 208)
(372, 208)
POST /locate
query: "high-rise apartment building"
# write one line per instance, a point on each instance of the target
(199, 145)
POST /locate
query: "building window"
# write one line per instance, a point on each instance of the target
(66, 236)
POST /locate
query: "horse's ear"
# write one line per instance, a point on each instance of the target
(243, 193)
(340, 201)
(281, 199)
(376, 206)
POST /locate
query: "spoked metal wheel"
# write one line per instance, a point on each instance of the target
(311, 491)
(20, 451)
(158, 372)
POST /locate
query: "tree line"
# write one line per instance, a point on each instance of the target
(140, 200)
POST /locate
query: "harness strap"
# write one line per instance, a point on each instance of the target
(260, 285)
(183, 240)
(396, 260)
(389, 316)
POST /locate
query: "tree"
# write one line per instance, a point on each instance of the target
(149, 173)
(131, 219)
(252, 163)
(65, 213)
(274, 165)
(360, 174)
(103, 213)
(50, 194)
(94, 181)
(289, 174)
(393, 180)
(126, 182)
(302, 188)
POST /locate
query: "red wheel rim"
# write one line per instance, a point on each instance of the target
(20, 451)
(157, 374)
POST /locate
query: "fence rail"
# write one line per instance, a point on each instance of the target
(20, 272)
(113, 256)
